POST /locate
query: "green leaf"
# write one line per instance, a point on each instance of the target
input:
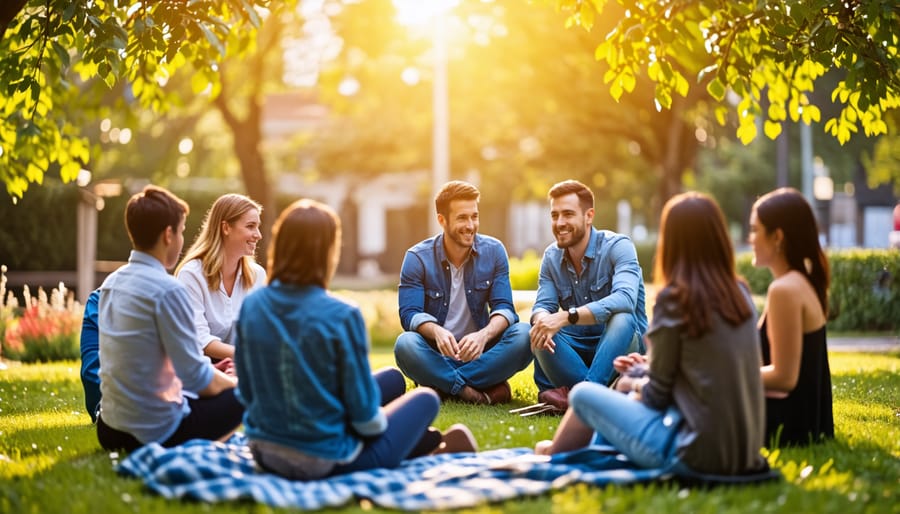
(251, 12)
(721, 113)
(746, 132)
(772, 129)
(61, 53)
(199, 83)
(663, 97)
(212, 38)
(716, 89)
(681, 84)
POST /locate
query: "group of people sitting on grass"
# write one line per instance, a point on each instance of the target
(224, 342)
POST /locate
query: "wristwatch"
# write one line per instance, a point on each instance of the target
(573, 315)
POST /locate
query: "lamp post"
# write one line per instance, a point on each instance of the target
(433, 13)
(440, 159)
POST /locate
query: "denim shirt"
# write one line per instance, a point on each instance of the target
(302, 361)
(611, 282)
(424, 292)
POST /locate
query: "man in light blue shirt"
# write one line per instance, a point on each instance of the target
(156, 385)
(463, 336)
(590, 299)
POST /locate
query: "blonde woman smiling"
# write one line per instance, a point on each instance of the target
(219, 270)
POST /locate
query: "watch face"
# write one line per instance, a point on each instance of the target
(573, 316)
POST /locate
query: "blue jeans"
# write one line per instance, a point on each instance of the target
(579, 359)
(391, 384)
(501, 359)
(408, 417)
(646, 436)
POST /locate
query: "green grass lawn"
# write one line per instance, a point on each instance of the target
(50, 461)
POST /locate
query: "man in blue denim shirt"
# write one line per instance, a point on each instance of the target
(595, 277)
(462, 334)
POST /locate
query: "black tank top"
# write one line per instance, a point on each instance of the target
(805, 415)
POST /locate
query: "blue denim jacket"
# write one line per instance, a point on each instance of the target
(424, 293)
(611, 282)
(302, 361)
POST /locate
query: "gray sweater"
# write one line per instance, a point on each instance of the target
(714, 381)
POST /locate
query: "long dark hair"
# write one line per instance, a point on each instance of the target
(695, 263)
(788, 210)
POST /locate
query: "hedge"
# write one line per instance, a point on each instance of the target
(865, 288)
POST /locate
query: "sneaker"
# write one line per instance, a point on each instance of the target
(499, 393)
(457, 439)
(558, 397)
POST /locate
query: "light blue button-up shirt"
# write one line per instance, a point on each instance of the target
(149, 353)
(610, 282)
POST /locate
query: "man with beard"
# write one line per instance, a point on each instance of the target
(463, 336)
(595, 278)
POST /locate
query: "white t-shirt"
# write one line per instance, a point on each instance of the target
(214, 311)
(459, 318)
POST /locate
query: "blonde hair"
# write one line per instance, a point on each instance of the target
(208, 247)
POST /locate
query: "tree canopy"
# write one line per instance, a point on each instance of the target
(54, 51)
(769, 54)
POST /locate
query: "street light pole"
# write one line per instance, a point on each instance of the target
(440, 164)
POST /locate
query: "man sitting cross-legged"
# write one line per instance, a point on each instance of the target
(462, 334)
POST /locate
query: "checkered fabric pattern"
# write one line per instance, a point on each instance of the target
(217, 472)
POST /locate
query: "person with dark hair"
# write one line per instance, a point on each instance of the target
(590, 299)
(699, 406)
(792, 328)
(313, 407)
(462, 334)
(219, 270)
(156, 384)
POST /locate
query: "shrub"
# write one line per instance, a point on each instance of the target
(865, 288)
(47, 330)
(380, 311)
(523, 272)
(646, 254)
(757, 278)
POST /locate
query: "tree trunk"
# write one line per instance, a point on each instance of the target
(679, 151)
(247, 138)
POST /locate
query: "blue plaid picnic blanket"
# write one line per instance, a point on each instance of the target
(216, 472)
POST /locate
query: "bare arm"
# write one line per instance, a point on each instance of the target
(219, 383)
(572, 434)
(784, 328)
(219, 350)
